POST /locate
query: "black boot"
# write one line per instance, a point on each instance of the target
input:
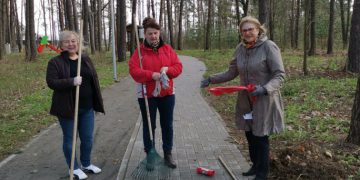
(169, 160)
(250, 172)
(252, 153)
(262, 154)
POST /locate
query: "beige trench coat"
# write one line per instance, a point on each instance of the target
(259, 65)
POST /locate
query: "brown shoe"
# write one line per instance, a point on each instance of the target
(169, 160)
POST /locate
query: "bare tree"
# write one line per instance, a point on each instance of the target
(208, 26)
(121, 30)
(74, 12)
(353, 64)
(331, 28)
(237, 4)
(306, 35)
(345, 21)
(18, 30)
(61, 14)
(153, 8)
(133, 21)
(2, 27)
(170, 23)
(42, 2)
(30, 47)
(297, 17)
(180, 25)
(245, 5)
(69, 16)
(263, 12)
(312, 14)
(161, 12)
(86, 18)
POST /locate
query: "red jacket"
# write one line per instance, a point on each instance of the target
(153, 62)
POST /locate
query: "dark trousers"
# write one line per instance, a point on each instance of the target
(259, 153)
(165, 105)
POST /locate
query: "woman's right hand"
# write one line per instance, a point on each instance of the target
(205, 83)
(77, 80)
(156, 76)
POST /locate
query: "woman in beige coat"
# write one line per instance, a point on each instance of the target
(257, 61)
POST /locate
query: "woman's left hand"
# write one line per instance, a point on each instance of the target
(164, 69)
(259, 91)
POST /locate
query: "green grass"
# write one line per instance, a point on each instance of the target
(25, 98)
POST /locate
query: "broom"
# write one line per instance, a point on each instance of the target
(153, 166)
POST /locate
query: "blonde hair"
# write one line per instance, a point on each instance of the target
(65, 34)
(250, 19)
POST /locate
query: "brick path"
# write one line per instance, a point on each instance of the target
(199, 134)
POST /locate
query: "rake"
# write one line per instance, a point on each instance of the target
(153, 166)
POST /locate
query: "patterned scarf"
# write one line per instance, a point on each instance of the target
(154, 46)
(250, 44)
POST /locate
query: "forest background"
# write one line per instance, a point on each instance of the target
(319, 42)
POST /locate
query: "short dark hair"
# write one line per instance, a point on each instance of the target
(149, 22)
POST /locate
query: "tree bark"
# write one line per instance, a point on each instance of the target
(264, 12)
(208, 26)
(170, 23)
(161, 13)
(2, 41)
(133, 21)
(180, 25)
(306, 34)
(312, 28)
(153, 8)
(42, 2)
(69, 17)
(121, 30)
(74, 12)
(61, 14)
(331, 28)
(297, 17)
(238, 18)
(31, 52)
(85, 16)
(353, 64)
(354, 132)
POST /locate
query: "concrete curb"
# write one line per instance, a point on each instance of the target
(129, 149)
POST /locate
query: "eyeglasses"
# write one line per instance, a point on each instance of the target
(248, 30)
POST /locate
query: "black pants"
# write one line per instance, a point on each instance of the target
(259, 153)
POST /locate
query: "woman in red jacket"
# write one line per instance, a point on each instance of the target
(159, 62)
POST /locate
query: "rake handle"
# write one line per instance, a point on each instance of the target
(143, 85)
(76, 106)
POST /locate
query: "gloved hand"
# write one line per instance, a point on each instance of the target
(259, 91)
(164, 69)
(205, 82)
(77, 80)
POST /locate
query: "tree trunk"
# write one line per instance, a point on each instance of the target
(238, 18)
(74, 12)
(121, 30)
(271, 19)
(208, 26)
(263, 12)
(69, 16)
(85, 16)
(42, 2)
(306, 34)
(18, 30)
(331, 28)
(312, 28)
(180, 25)
(353, 64)
(354, 132)
(170, 23)
(61, 15)
(245, 4)
(2, 41)
(30, 32)
(13, 20)
(133, 21)
(161, 13)
(296, 30)
(153, 8)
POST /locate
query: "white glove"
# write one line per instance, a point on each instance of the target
(77, 80)
(164, 69)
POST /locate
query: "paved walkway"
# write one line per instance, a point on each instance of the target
(199, 134)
